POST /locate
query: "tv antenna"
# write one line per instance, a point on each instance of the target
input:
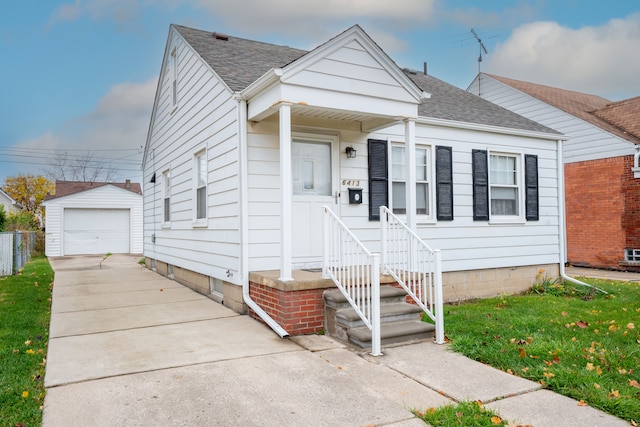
(481, 48)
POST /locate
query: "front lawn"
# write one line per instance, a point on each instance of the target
(25, 302)
(572, 340)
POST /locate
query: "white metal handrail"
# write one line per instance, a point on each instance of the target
(355, 271)
(414, 265)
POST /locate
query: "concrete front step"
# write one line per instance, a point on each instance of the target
(399, 321)
(391, 333)
(389, 312)
(335, 299)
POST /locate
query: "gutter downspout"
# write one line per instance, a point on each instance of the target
(244, 223)
(562, 224)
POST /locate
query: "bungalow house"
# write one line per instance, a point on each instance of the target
(253, 146)
(602, 174)
(10, 205)
(84, 218)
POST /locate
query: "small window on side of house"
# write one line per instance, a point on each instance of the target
(166, 196)
(173, 69)
(200, 186)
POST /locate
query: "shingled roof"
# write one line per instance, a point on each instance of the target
(239, 62)
(67, 188)
(618, 118)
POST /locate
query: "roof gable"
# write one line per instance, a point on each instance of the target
(352, 62)
(581, 105)
(68, 188)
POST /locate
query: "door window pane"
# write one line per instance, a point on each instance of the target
(311, 168)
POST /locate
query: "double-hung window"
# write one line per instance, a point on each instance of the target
(504, 182)
(433, 180)
(399, 180)
(200, 186)
(166, 196)
(505, 186)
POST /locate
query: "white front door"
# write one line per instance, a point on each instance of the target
(315, 177)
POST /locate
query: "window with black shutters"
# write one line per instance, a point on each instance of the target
(378, 181)
(502, 190)
(444, 183)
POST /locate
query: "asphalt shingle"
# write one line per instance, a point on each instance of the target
(239, 62)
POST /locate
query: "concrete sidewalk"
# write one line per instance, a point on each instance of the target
(130, 347)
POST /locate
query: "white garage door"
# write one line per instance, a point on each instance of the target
(96, 231)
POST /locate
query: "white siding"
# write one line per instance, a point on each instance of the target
(586, 141)
(351, 69)
(205, 118)
(104, 197)
(466, 244)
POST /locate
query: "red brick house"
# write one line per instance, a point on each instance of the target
(602, 175)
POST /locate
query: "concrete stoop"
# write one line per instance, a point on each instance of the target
(399, 321)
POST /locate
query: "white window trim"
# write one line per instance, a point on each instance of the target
(420, 218)
(509, 219)
(200, 222)
(166, 182)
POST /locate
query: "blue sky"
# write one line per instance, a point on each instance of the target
(79, 76)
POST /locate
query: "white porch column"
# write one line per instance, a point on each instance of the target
(410, 161)
(285, 192)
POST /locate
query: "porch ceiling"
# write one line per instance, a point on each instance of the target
(368, 122)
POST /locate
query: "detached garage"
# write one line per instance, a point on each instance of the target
(93, 218)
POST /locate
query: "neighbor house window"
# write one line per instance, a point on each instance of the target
(166, 196)
(502, 190)
(200, 181)
(399, 180)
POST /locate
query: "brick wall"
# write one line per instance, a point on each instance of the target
(299, 312)
(631, 219)
(595, 208)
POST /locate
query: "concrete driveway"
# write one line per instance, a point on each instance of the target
(128, 347)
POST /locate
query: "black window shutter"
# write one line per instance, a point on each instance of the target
(444, 183)
(378, 181)
(480, 185)
(531, 183)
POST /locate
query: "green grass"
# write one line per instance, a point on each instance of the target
(25, 302)
(467, 414)
(571, 339)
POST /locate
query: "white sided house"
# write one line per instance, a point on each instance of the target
(10, 205)
(248, 141)
(85, 218)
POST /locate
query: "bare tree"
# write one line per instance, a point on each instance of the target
(84, 167)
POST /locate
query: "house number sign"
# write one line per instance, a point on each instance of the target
(351, 182)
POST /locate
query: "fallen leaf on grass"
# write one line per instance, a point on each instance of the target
(548, 374)
(630, 325)
(614, 394)
(564, 313)
(634, 383)
(582, 325)
(597, 386)
(496, 420)
(522, 354)
(582, 403)
(25, 394)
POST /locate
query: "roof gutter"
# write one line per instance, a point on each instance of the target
(244, 222)
(562, 224)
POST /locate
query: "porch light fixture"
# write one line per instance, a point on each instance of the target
(351, 152)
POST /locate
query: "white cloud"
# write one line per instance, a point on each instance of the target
(115, 131)
(600, 60)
